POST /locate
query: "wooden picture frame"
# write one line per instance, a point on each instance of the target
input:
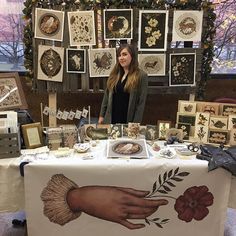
(32, 134)
(11, 92)
(162, 127)
(75, 60)
(153, 28)
(49, 24)
(118, 24)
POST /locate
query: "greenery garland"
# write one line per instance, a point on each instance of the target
(207, 37)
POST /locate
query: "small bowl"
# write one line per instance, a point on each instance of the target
(81, 147)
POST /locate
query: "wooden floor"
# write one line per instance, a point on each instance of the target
(7, 229)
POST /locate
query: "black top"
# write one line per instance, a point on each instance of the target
(120, 103)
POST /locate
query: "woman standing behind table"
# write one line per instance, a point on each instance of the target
(125, 96)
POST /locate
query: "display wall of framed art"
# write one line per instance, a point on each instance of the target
(118, 24)
(182, 69)
(81, 28)
(153, 28)
(187, 25)
(101, 61)
(49, 24)
(32, 134)
(153, 64)
(11, 92)
(76, 60)
(50, 63)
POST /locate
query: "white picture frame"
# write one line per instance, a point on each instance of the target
(101, 61)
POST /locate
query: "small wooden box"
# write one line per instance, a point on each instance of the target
(9, 145)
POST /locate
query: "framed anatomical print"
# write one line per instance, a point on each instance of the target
(81, 28)
(182, 69)
(153, 26)
(101, 61)
(49, 24)
(75, 60)
(118, 24)
(50, 63)
(187, 26)
(153, 64)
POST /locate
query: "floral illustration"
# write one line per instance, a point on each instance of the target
(191, 205)
(153, 33)
(218, 137)
(182, 72)
(228, 110)
(201, 133)
(202, 119)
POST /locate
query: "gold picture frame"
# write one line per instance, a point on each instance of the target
(32, 135)
(162, 127)
(11, 92)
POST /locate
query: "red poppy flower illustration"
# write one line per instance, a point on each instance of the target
(193, 203)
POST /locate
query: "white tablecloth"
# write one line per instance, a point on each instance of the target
(131, 173)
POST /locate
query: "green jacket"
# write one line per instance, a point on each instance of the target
(136, 106)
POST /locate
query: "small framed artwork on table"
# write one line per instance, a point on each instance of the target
(32, 134)
(209, 107)
(228, 109)
(186, 118)
(232, 122)
(232, 138)
(218, 136)
(182, 69)
(162, 127)
(118, 24)
(187, 107)
(218, 122)
(153, 64)
(153, 28)
(75, 60)
(186, 130)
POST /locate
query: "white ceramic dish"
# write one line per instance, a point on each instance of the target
(82, 147)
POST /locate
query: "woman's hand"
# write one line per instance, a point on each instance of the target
(113, 204)
(100, 120)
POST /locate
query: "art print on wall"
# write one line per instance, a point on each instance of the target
(76, 60)
(81, 28)
(11, 92)
(182, 69)
(187, 107)
(187, 25)
(153, 64)
(153, 26)
(101, 61)
(49, 24)
(118, 24)
(218, 122)
(50, 63)
(218, 136)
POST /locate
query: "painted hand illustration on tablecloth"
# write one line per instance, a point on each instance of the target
(64, 201)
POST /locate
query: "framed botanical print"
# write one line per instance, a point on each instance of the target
(81, 28)
(228, 109)
(49, 24)
(153, 64)
(186, 130)
(210, 107)
(118, 24)
(151, 132)
(11, 92)
(153, 28)
(162, 127)
(182, 69)
(218, 122)
(202, 118)
(101, 61)
(232, 137)
(218, 136)
(75, 60)
(186, 118)
(50, 63)
(201, 133)
(32, 134)
(187, 25)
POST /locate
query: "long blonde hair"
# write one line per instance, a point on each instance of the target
(118, 71)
